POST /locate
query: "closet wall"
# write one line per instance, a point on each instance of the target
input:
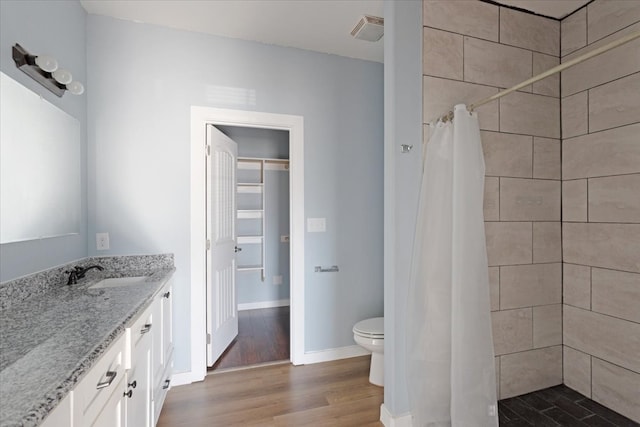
(253, 292)
(471, 50)
(601, 207)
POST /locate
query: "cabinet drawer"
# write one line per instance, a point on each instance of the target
(141, 327)
(102, 380)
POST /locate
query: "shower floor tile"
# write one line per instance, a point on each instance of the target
(558, 406)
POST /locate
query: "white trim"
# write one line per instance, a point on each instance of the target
(295, 125)
(263, 304)
(334, 354)
(390, 421)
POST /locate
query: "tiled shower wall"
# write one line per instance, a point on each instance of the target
(471, 50)
(601, 207)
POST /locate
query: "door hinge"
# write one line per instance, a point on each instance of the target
(208, 338)
(208, 150)
(208, 244)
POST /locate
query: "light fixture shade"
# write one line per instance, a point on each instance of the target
(62, 76)
(47, 63)
(75, 88)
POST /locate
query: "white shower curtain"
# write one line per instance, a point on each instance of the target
(450, 359)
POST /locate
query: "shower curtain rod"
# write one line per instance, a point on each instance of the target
(622, 40)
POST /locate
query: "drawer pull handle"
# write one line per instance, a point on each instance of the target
(128, 393)
(111, 375)
(166, 294)
(134, 384)
(166, 384)
(146, 328)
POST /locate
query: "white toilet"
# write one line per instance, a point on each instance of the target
(369, 333)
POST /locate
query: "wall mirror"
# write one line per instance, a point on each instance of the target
(39, 166)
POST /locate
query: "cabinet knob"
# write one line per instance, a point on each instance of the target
(166, 294)
(166, 384)
(128, 393)
(134, 384)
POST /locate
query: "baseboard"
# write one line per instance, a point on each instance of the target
(263, 304)
(390, 421)
(334, 354)
(184, 378)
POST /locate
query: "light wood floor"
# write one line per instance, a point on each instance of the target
(325, 394)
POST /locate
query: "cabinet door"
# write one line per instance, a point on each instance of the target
(112, 414)
(138, 394)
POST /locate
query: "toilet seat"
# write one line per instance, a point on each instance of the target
(370, 328)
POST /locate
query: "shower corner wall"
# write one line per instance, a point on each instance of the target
(547, 213)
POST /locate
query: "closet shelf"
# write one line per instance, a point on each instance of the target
(249, 268)
(250, 214)
(246, 187)
(248, 240)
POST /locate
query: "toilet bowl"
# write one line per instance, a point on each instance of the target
(369, 333)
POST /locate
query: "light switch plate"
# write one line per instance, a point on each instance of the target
(277, 280)
(316, 225)
(284, 239)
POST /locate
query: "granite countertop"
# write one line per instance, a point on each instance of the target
(50, 340)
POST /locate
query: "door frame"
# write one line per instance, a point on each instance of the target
(200, 116)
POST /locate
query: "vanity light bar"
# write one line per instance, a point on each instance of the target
(44, 69)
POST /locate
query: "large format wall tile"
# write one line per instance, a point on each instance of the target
(574, 200)
(615, 198)
(530, 370)
(614, 246)
(546, 158)
(442, 56)
(616, 388)
(529, 200)
(605, 337)
(530, 114)
(494, 287)
(529, 31)
(512, 330)
(610, 152)
(530, 285)
(495, 64)
(491, 198)
(588, 48)
(547, 242)
(607, 17)
(575, 115)
(615, 104)
(547, 325)
(441, 95)
(471, 17)
(507, 154)
(551, 85)
(573, 32)
(608, 66)
(577, 370)
(576, 285)
(509, 242)
(616, 293)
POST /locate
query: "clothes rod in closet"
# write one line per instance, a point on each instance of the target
(602, 49)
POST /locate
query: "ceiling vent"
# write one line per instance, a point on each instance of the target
(369, 28)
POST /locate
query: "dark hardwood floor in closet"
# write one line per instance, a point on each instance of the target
(263, 336)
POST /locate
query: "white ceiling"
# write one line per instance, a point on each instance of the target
(318, 25)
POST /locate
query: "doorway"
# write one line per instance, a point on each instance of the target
(200, 117)
(262, 270)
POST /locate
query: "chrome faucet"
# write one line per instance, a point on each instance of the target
(79, 272)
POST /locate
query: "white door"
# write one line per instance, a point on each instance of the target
(222, 310)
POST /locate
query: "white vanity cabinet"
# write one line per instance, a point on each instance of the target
(162, 353)
(127, 386)
(98, 399)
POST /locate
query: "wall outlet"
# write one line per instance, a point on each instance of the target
(102, 241)
(284, 239)
(277, 280)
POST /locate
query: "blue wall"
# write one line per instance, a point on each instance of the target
(403, 125)
(143, 79)
(58, 29)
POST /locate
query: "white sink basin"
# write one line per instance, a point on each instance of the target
(118, 282)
